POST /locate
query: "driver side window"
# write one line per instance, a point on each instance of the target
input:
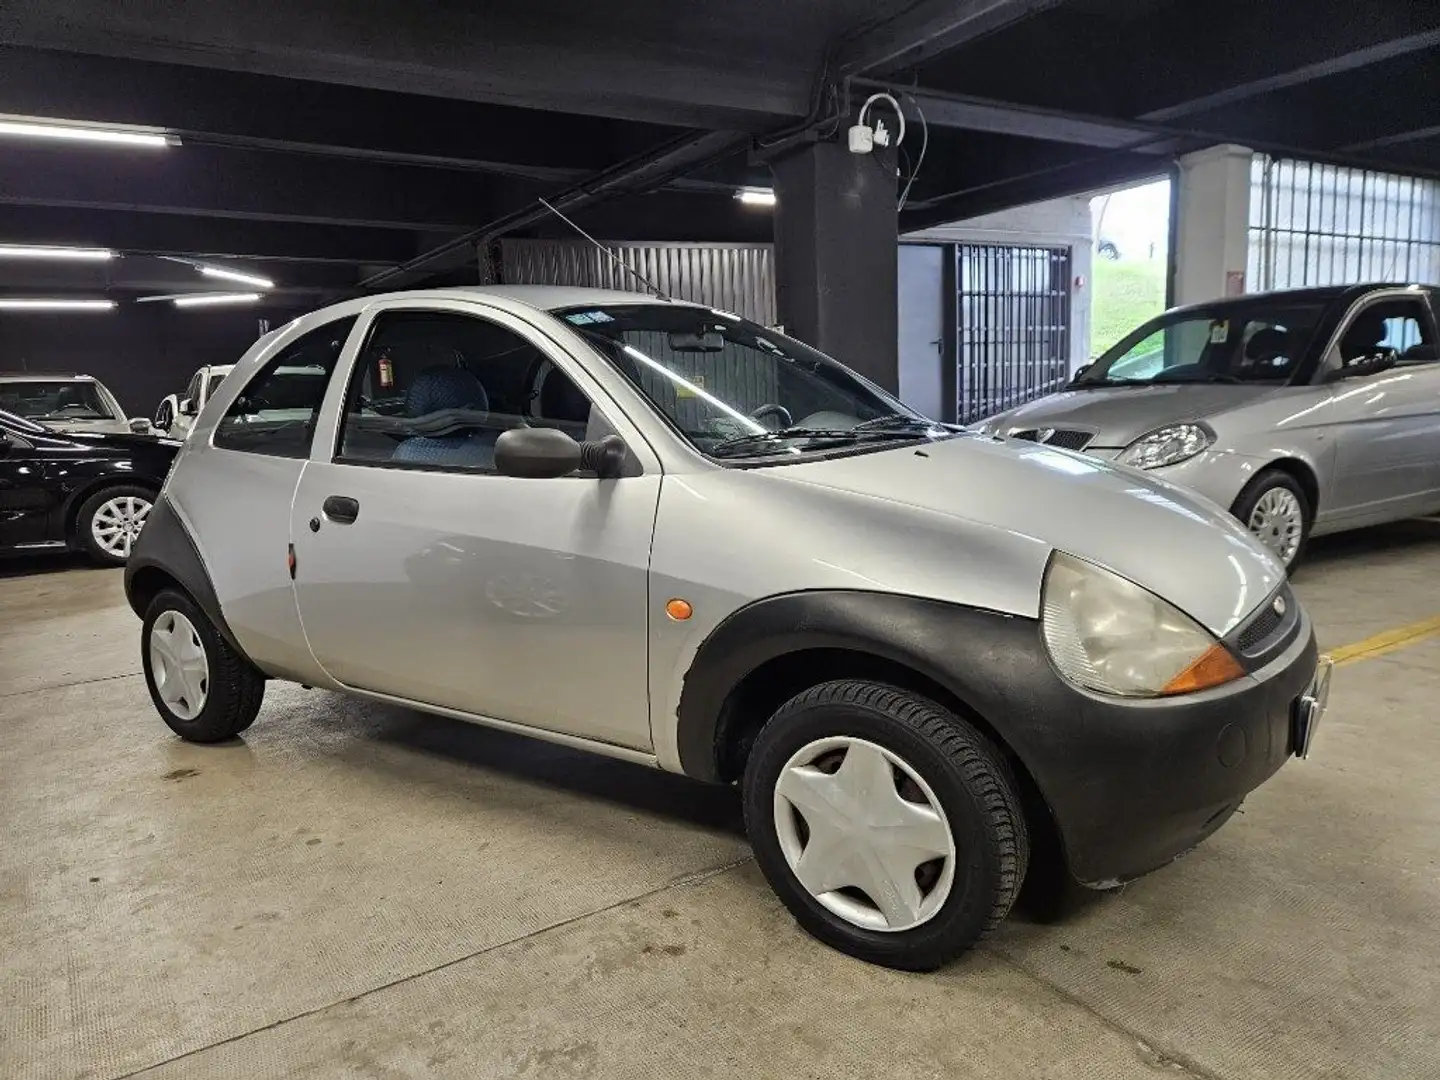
(436, 389)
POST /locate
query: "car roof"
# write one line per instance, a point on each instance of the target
(44, 376)
(1315, 294)
(540, 297)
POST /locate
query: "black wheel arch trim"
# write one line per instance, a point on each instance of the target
(960, 648)
(167, 546)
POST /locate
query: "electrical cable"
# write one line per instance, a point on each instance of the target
(920, 161)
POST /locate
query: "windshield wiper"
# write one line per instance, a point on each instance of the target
(765, 439)
(899, 423)
(1106, 384)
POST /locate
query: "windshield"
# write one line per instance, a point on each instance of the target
(61, 399)
(1242, 343)
(734, 389)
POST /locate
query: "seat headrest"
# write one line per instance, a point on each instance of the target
(1267, 344)
(444, 387)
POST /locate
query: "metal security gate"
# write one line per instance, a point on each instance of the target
(1314, 224)
(1013, 322)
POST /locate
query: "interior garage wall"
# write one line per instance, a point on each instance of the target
(140, 351)
(739, 278)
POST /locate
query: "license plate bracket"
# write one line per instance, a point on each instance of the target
(1309, 708)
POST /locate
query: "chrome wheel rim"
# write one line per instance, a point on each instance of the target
(864, 834)
(1278, 522)
(178, 665)
(117, 524)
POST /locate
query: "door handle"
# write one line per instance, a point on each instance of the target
(341, 509)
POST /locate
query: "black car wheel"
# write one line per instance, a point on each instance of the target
(203, 689)
(109, 522)
(889, 827)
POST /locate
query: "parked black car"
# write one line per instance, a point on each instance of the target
(89, 492)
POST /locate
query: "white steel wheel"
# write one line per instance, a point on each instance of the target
(1277, 520)
(116, 523)
(179, 668)
(864, 834)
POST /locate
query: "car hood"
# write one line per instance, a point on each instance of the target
(1119, 415)
(1185, 550)
(103, 427)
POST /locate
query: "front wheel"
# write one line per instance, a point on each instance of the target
(110, 521)
(889, 827)
(1276, 511)
(203, 689)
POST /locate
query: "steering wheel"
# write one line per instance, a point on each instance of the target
(786, 420)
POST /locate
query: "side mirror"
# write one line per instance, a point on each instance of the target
(1081, 371)
(547, 453)
(187, 407)
(140, 426)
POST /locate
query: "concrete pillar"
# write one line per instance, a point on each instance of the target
(836, 239)
(1212, 233)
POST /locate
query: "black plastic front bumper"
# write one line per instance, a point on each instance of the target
(1134, 784)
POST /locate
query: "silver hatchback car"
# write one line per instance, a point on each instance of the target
(657, 531)
(1302, 412)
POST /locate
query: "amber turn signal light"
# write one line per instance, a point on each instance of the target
(679, 610)
(1215, 667)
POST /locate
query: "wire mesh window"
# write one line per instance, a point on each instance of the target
(1013, 318)
(1315, 224)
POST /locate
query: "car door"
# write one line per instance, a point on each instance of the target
(1386, 424)
(424, 575)
(25, 501)
(237, 485)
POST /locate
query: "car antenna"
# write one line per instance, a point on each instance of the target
(610, 254)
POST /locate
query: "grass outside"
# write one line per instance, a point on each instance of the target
(1126, 293)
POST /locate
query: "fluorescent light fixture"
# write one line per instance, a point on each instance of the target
(22, 251)
(205, 299)
(756, 196)
(29, 304)
(30, 129)
(235, 275)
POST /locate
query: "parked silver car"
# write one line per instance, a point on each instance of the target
(1302, 412)
(176, 412)
(660, 532)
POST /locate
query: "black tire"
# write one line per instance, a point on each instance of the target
(969, 778)
(1264, 483)
(233, 691)
(85, 520)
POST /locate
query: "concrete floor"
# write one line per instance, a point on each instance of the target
(360, 891)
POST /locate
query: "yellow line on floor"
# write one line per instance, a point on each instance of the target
(1386, 642)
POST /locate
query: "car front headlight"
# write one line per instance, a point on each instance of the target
(1109, 635)
(1168, 445)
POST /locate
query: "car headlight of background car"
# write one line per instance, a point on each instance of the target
(1168, 445)
(1109, 635)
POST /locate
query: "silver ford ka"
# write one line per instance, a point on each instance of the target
(933, 660)
(1302, 412)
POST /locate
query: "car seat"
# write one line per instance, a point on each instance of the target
(563, 404)
(1267, 355)
(1364, 336)
(436, 389)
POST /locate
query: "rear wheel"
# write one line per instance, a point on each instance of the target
(888, 826)
(1276, 511)
(109, 522)
(203, 689)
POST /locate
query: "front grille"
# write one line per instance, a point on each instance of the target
(1269, 629)
(1065, 438)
